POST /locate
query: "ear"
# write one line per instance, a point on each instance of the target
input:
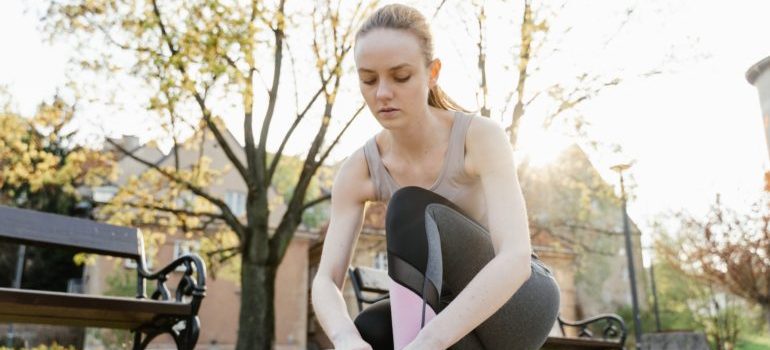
(435, 68)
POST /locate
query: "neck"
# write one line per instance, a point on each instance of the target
(417, 139)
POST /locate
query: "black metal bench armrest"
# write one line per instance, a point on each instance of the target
(614, 327)
(187, 286)
(374, 300)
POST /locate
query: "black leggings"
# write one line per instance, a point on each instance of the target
(434, 250)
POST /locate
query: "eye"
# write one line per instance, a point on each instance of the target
(404, 79)
(369, 82)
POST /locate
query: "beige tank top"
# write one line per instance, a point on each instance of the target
(452, 183)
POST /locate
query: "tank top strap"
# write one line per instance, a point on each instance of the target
(377, 172)
(456, 159)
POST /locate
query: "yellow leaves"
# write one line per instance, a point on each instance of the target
(189, 85)
(167, 206)
(767, 180)
(147, 216)
(84, 259)
(34, 153)
(248, 96)
(320, 63)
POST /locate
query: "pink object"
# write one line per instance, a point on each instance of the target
(406, 314)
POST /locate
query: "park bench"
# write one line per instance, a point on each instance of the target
(374, 282)
(146, 316)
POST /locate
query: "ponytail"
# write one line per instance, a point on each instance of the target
(439, 99)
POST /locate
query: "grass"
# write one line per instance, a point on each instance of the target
(753, 342)
(44, 347)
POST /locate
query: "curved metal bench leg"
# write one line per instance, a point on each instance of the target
(188, 337)
(185, 339)
(137, 340)
(192, 331)
(141, 344)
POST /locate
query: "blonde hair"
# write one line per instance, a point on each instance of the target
(402, 17)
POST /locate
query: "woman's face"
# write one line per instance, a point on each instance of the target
(393, 78)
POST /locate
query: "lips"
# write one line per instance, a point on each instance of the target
(387, 109)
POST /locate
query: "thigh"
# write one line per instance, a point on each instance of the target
(526, 319)
(374, 325)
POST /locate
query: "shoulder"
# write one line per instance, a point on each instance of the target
(480, 128)
(486, 142)
(353, 181)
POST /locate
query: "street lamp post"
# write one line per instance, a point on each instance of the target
(654, 296)
(17, 285)
(630, 254)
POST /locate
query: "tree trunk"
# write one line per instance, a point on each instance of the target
(766, 311)
(256, 326)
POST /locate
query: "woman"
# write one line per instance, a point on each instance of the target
(459, 255)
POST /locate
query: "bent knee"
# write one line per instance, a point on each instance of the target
(374, 325)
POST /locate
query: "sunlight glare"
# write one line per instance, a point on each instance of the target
(540, 146)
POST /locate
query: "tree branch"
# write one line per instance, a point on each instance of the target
(438, 8)
(164, 33)
(223, 250)
(177, 211)
(207, 117)
(316, 201)
(227, 214)
(261, 152)
(339, 136)
(199, 99)
(297, 120)
(573, 242)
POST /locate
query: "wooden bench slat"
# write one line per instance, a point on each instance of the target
(33, 306)
(554, 343)
(44, 229)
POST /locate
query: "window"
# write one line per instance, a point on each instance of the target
(185, 200)
(104, 194)
(381, 260)
(236, 201)
(75, 285)
(131, 263)
(182, 247)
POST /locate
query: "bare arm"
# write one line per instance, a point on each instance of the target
(489, 155)
(352, 188)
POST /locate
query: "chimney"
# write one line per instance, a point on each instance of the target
(130, 143)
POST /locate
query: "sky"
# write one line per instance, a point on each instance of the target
(692, 131)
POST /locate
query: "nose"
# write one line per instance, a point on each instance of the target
(384, 91)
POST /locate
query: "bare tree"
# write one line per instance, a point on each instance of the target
(188, 51)
(728, 249)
